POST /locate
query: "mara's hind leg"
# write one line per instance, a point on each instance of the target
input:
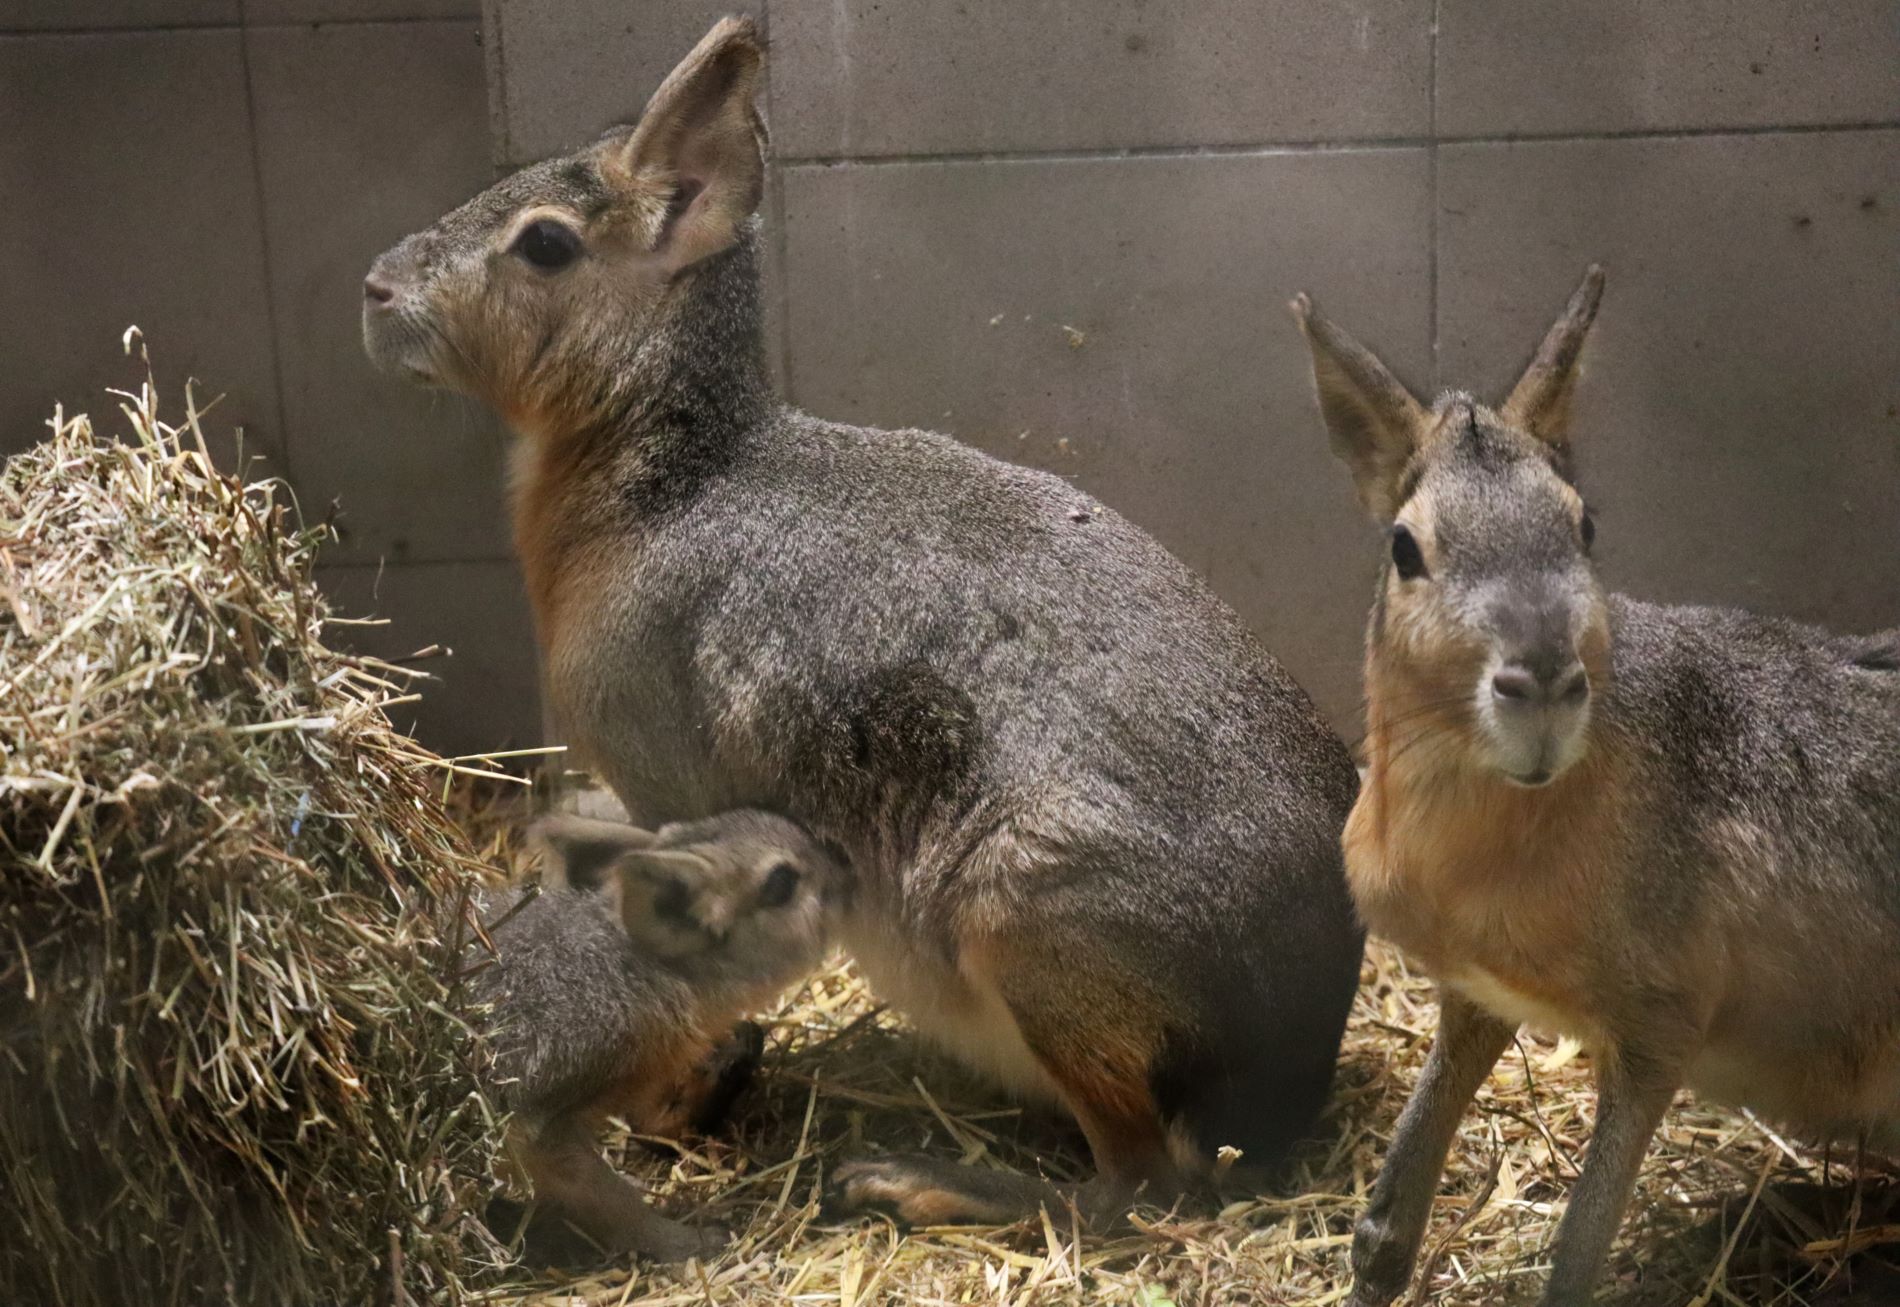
(1096, 1032)
(1253, 1070)
(569, 1175)
(919, 1190)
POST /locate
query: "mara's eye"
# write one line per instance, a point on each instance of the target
(1406, 556)
(779, 885)
(673, 902)
(548, 244)
(1588, 529)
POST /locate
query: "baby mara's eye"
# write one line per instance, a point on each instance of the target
(1587, 528)
(1406, 555)
(673, 903)
(547, 244)
(780, 883)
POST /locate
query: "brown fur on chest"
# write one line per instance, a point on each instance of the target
(1511, 889)
(562, 530)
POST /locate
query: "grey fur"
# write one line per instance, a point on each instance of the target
(572, 1002)
(1031, 728)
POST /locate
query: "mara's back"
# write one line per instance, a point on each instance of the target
(1777, 741)
(980, 625)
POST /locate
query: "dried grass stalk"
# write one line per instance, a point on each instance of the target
(232, 1068)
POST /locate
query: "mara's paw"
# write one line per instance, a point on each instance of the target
(933, 1191)
(745, 1046)
(1382, 1263)
(1364, 1296)
(725, 1075)
(910, 1190)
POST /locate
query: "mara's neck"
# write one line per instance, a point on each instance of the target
(698, 374)
(1465, 870)
(669, 392)
(1427, 785)
(653, 428)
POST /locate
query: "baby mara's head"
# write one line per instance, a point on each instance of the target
(744, 890)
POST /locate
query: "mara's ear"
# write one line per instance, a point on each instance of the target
(645, 884)
(1373, 421)
(580, 853)
(699, 148)
(1540, 401)
(665, 864)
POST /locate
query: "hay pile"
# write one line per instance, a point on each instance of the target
(231, 1070)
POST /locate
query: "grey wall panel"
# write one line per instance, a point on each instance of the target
(1511, 67)
(417, 474)
(1123, 322)
(1740, 418)
(483, 694)
(865, 77)
(125, 160)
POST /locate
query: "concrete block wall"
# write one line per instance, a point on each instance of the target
(221, 172)
(1064, 232)
(1067, 233)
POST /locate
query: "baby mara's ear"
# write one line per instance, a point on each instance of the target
(656, 890)
(694, 166)
(580, 853)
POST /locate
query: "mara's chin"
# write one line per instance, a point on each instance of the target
(395, 352)
(1535, 762)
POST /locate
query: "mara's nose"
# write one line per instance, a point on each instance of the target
(1552, 683)
(376, 290)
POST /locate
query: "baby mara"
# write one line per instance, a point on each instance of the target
(1673, 833)
(613, 990)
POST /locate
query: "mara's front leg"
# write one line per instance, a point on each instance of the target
(703, 1100)
(1634, 1089)
(562, 1159)
(1385, 1243)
